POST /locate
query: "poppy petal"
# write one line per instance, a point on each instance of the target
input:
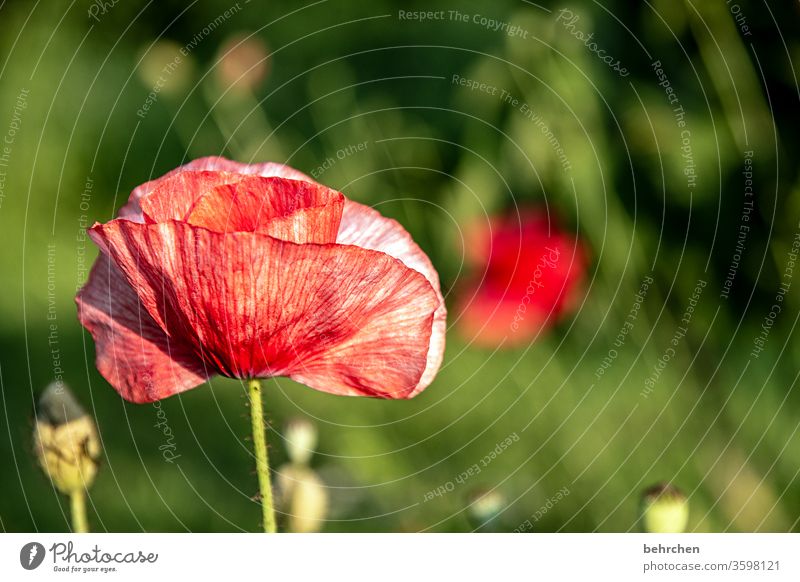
(174, 197)
(133, 211)
(364, 227)
(266, 169)
(133, 352)
(338, 318)
(292, 210)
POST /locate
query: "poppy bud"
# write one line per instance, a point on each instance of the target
(243, 63)
(485, 505)
(304, 498)
(301, 440)
(665, 509)
(165, 68)
(65, 440)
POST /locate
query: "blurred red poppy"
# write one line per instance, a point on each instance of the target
(253, 271)
(525, 274)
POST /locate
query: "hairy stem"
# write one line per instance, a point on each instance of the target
(262, 458)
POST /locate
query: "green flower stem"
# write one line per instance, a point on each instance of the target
(77, 501)
(262, 459)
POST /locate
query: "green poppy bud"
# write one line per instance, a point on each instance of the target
(65, 440)
(167, 68)
(301, 440)
(665, 509)
(304, 498)
(484, 506)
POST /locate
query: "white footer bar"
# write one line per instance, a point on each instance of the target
(407, 557)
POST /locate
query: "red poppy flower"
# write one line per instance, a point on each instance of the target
(252, 271)
(526, 272)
